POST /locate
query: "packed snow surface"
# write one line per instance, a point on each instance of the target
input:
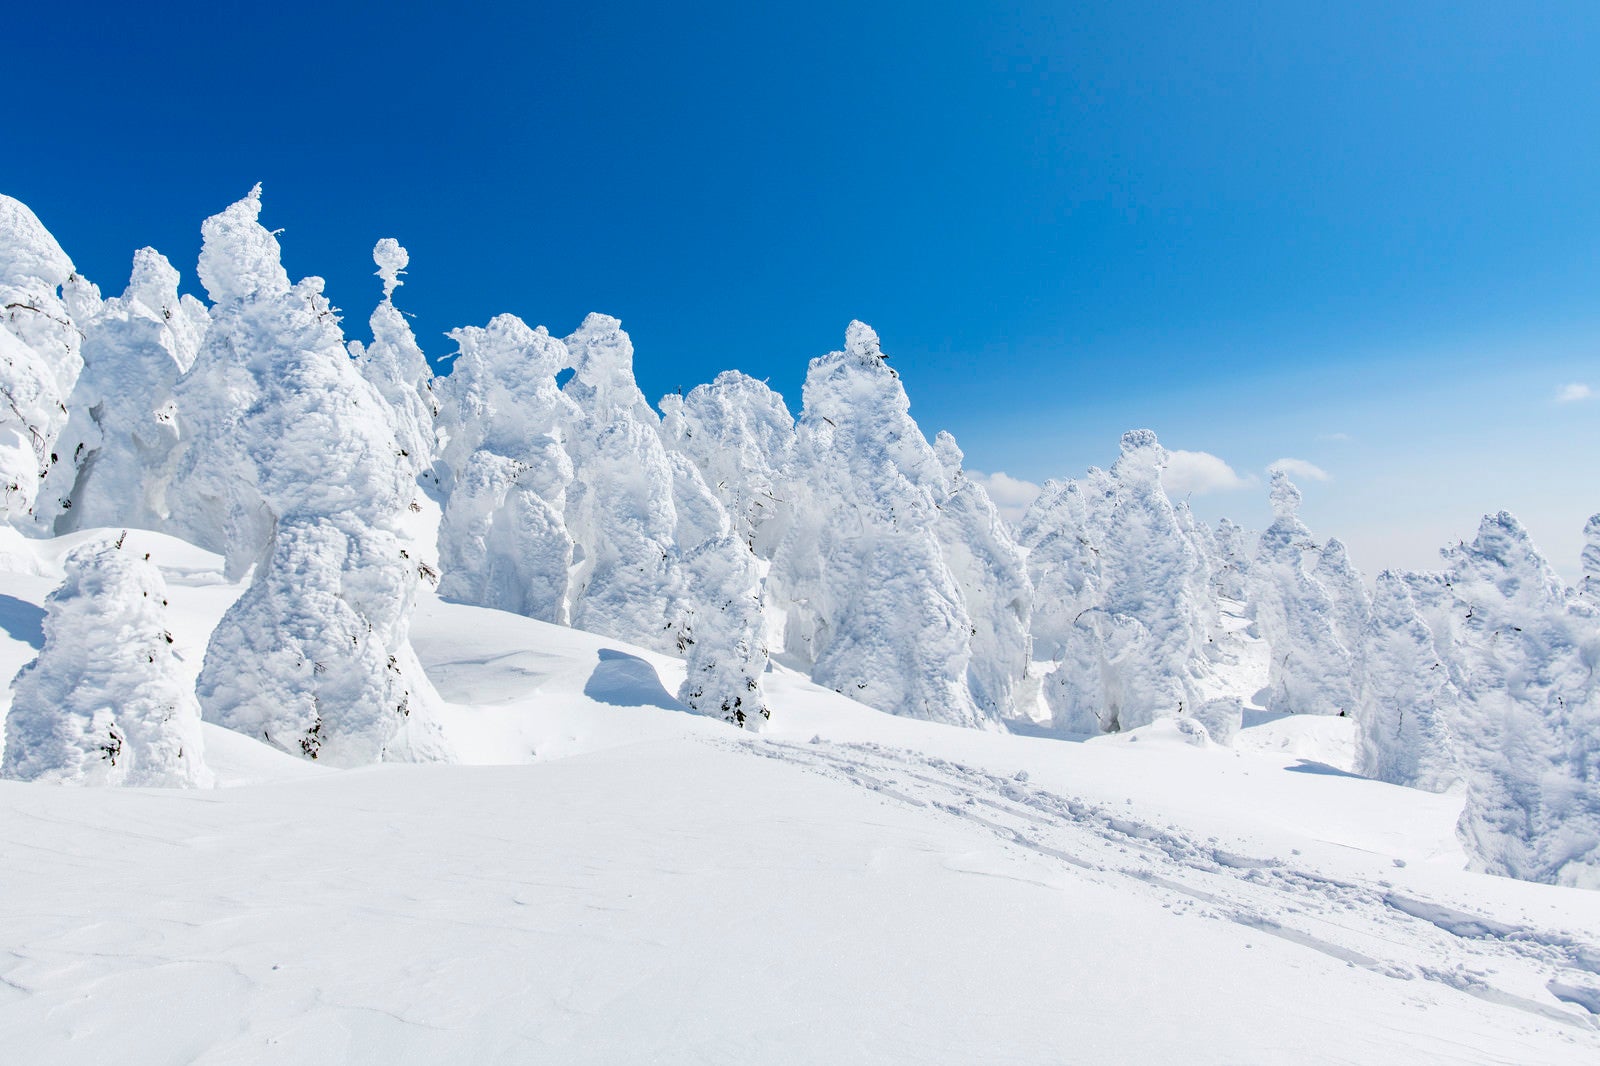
(634, 883)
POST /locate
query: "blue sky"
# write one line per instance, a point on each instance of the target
(1364, 238)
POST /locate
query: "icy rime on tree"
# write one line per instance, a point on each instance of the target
(1139, 644)
(315, 657)
(105, 702)
(120, 439)
(619, 509)
(860, 575)
(656, 557)
(1311, 667)
(741, 436)
(1591, 560)
(503, 542)
(1407, 697)
(395, 365)
(40, 353)
(1521, 652)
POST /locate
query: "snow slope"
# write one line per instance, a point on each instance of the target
(636, 883)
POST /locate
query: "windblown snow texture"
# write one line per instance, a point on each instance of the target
(105, 702)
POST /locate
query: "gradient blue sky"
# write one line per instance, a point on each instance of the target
(1362, 237)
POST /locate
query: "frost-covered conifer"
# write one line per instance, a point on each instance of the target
(315, 657)
(1140, 649)
(1312, 669)
(1590, 585)
(867, 596)
(717, 618)
(620, 508)
(117, 448)
(1521, 653)
(1061, 533)
(990, 571)
(213, 500)
(1352, 604)
(105, 702)
(394, 363)
(40, 353)
(741, 436)
(503, 542)
(1230, 577)
(1407, 698)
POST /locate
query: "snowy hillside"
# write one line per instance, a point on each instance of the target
(498, 714)
(642, 884)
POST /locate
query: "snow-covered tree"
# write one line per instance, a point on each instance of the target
(40, 353)
(716, 617)
(1590, 585)
(1407, 698)
(1522, 654)
(620, 508)
(213, 500)
(395, 365)
(503, 541)
(741, 436)
(315, 656)
(1312, 670)
(105, 702)
(860, 575)
(1230, 576)
(1061, 533)
(117, 448)
(1352, 604)
(991, 573)
(1141, 648)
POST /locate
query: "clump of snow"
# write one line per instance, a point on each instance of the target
(106, 701)
(392, 261)
(240, 259)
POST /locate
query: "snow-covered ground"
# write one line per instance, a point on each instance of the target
(621, 881)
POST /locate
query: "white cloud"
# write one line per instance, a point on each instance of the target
(1198, 473)
(1011, 495)
(1574, 392)
(1300, 468)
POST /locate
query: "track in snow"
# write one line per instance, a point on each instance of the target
(1362, 923)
